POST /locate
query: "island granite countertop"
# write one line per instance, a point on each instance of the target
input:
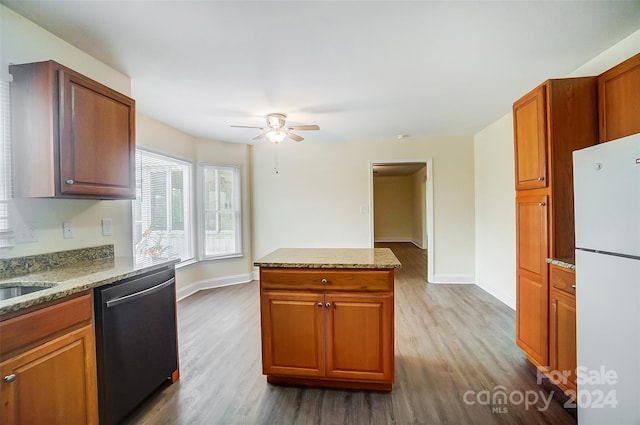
(330, 258)
(68, 279)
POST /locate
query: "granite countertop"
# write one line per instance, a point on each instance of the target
(567, 263)
(70, 279)
(331, 258)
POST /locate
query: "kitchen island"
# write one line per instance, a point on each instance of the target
(327, 317)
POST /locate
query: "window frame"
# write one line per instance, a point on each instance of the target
(238, 211)
(189, 201)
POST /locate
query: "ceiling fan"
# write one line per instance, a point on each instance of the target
(276, 131)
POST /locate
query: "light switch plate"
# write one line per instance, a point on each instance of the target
(67, 230)
(107, 229)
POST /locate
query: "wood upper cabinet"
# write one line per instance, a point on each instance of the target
(562, 329)
(71, 136)
(531, 276)
(49, 367)
(619, 100)
(530, 135)
(328, 327)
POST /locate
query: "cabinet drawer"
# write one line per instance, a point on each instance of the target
(327, 279)
(563, 279)
(37, 326)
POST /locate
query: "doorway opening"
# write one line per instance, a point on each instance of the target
(401, 199)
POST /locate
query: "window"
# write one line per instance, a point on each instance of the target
(6, 234)
(220, 213)
(162, 209)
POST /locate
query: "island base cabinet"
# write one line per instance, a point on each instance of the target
(334, 337)
(293, 334)
(53, 383)
(358, 337)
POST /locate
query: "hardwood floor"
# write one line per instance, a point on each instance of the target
(455, 353)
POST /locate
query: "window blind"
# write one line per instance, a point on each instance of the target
(162, 225)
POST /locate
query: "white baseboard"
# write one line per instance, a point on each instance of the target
(508, 300)
(399, 239)
(452, 278)
(409, 240)
(182, 293)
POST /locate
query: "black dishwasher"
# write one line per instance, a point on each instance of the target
(136, 342)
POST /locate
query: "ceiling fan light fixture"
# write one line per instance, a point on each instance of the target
(276, 136)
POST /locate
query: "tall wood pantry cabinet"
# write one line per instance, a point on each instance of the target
(71, 136)
(550, 122)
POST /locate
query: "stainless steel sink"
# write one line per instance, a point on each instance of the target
(15, 290)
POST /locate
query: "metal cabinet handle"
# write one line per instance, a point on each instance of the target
(541, 204)
(573, 286)
(540, 178)
(320, 304)
(69, 181)
(324, 281)
(327, 305)
(9, 378)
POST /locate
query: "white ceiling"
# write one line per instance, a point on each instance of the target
(361, 70)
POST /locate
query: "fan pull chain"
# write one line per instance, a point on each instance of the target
(275, 158)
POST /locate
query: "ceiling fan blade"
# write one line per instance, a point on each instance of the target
(294, 137)
(248, 126)
(303, 127)
(259, 136)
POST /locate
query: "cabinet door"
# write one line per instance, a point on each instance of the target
(619, 100)
(97, 138)
(53, 383)
(562, 349)
(530, 138)
(532, 296)
(292, 333)
(359, 336)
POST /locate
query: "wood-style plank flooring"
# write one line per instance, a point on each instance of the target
(455, 355)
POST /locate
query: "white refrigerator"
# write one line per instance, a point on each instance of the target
(607, 221)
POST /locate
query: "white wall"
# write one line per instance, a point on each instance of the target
(495, 210)
(314, 200)
(494, 184)
(419, 194)
(393, 208)
(22, 42)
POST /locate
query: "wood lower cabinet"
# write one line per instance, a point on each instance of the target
(619, 100)
(48, 366)
(338, 333)
(562, 329)
(72, 137)
(531, 276)
(293, 333)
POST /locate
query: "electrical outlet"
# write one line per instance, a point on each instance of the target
(67, 230)
(107, 228)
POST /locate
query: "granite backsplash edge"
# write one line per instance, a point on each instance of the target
(18, 266)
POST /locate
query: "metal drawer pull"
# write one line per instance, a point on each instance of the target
(10, 378)
(324, 281)
(541, 204)
(327, 305)
(319, 304)
(573, 286)
(69, 181)
(540, 179)
(114, 302)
